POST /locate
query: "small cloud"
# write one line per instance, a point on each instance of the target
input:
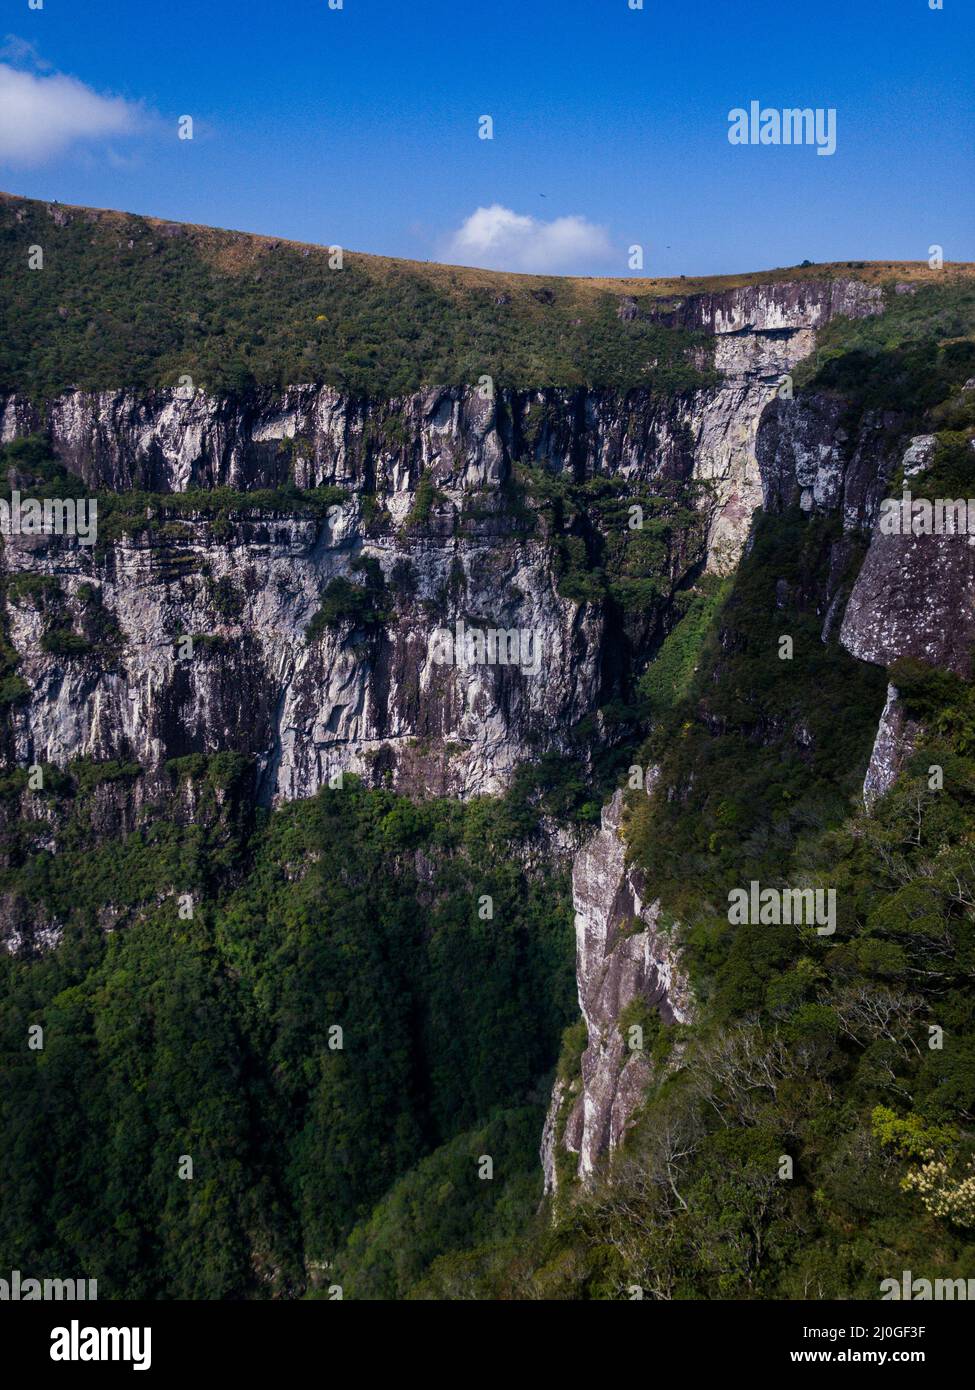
(40, 116)
(17, 50)
(498, 239)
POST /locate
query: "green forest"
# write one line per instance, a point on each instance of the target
(124, 299)
(203, 1025)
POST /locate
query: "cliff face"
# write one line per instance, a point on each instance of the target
(913, 595)
(806, 455)
(895, 741)
(372, 700)
(429, 495)
(353, 700)
(623, 956)
(887, 597)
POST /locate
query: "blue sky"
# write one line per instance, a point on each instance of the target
(359, 126)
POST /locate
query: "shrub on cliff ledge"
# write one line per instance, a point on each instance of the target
(342, 601)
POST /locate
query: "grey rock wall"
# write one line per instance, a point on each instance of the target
(623, 953)
(372, 701)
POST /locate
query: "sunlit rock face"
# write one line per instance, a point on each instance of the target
(373, 700)
(623, 954)
(777, 306)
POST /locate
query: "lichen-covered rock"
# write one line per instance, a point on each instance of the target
(914, 596)
(919, 454)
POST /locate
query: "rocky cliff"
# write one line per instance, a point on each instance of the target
(913, 594)
(624, 957)
(426, 491)
(886, 597)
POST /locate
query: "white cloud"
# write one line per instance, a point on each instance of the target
(499, 239)
(42, 115)
(22, 53)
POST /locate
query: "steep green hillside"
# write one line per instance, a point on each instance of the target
(823, 1052)
(130, 301)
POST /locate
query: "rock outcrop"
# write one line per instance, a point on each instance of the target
(807, 456)
(894, 744)
(914, 596)
(624, 956)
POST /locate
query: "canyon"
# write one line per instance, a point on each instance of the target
(212, 635)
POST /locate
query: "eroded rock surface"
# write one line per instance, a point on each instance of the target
(914, 596)
(371, 701)
(894, 744)
(623, 953)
